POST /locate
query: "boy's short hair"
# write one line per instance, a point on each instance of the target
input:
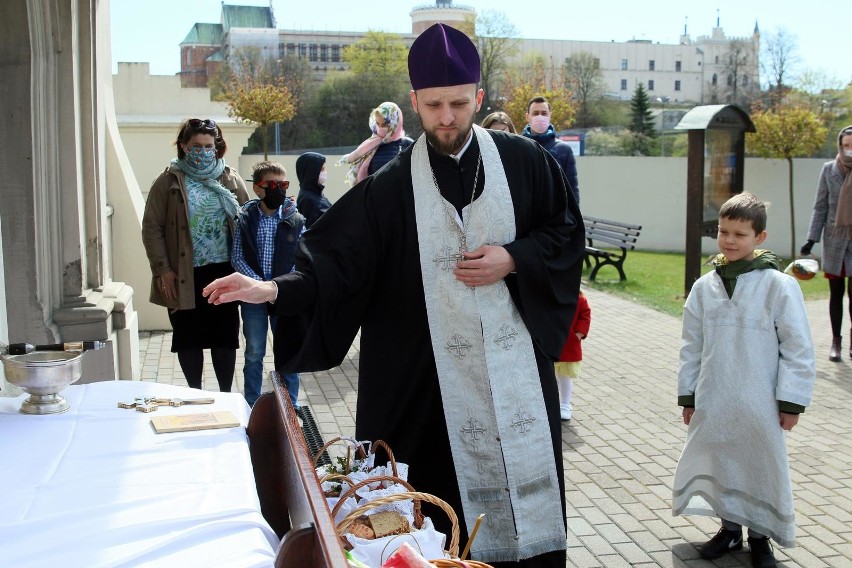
(261, 169)
(746, 206)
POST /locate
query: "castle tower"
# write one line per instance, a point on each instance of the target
(443, 11)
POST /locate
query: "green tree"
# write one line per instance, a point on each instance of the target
(378, 72)
(585, 79)
(261, 104)
(641, 123)
(342, 104)
(786, 132)
(603, 143)
(378, 53)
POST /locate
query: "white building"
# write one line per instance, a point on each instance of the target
(708, 69)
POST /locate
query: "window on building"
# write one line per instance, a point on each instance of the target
(650, 84)
(730, 80)
(677, 66)
(715, 80)
(291, 49)
(314, 52)
(624, 65)
(597, 63)
(303, 50)
(624, 84)
(717, 60)
(650, 65)
(677, 85)
(323, 52)
(335, 53)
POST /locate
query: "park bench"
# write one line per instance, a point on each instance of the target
(603, 237)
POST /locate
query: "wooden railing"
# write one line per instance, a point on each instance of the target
(290, 496)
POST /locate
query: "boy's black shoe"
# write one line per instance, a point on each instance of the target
(725, 541)
(761, 553)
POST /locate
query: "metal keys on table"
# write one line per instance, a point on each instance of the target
(152, 404)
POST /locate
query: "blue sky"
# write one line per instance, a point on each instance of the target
(151, 30)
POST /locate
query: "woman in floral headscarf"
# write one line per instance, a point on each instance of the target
(832, 218)
(387, 141)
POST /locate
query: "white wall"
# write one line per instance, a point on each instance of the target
(650, 192)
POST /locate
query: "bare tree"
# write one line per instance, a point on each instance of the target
(585, 79)
(496, 39)
(738, 83)
(780, 56)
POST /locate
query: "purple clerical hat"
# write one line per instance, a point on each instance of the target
(442, 57)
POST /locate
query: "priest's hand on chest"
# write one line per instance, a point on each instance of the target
(483, 266)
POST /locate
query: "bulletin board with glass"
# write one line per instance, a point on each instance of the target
(715, 172)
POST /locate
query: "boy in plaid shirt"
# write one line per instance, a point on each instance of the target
(265, 241)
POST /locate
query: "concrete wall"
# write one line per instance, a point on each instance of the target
(650, 192)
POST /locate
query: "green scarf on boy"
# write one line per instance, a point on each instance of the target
(729, 271)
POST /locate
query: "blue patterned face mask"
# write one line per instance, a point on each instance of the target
(201, 158)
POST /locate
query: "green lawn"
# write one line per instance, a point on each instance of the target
(655, 279)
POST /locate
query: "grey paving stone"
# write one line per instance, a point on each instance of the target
(620, 451)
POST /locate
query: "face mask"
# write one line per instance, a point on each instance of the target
(381, 131)
(847, 153)
(540, 123)
(322, 177)
(201, 158)
(274, 198)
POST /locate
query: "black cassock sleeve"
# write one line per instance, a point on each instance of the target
(340, 251)
(548, 250)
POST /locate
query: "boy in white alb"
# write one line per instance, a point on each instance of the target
(746, 373)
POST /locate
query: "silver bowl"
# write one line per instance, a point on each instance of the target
(43, 374)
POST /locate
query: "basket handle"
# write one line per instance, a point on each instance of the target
(391, 458)
(339, 477)
(350, 442)
(418, 516)
(417, 496)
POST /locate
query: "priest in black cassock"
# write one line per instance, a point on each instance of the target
(460, 263)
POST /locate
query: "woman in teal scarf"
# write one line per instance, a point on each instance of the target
(187, 230)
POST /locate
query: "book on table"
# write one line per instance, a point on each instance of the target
(199, 421)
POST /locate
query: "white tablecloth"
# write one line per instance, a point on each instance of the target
(96, 487)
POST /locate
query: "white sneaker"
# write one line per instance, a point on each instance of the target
(565, 411)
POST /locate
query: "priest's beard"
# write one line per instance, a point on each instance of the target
(454, 145)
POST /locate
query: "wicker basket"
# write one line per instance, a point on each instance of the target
(360, 452)
(418, 497)
(353, 487)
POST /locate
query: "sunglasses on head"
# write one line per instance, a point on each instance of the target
(206, 124)
(273, 184)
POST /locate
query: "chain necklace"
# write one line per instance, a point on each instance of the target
(450, 210)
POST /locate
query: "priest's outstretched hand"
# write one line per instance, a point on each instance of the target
(486, 265)
(238, 286)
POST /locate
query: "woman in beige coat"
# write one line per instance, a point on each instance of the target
(187, 230)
